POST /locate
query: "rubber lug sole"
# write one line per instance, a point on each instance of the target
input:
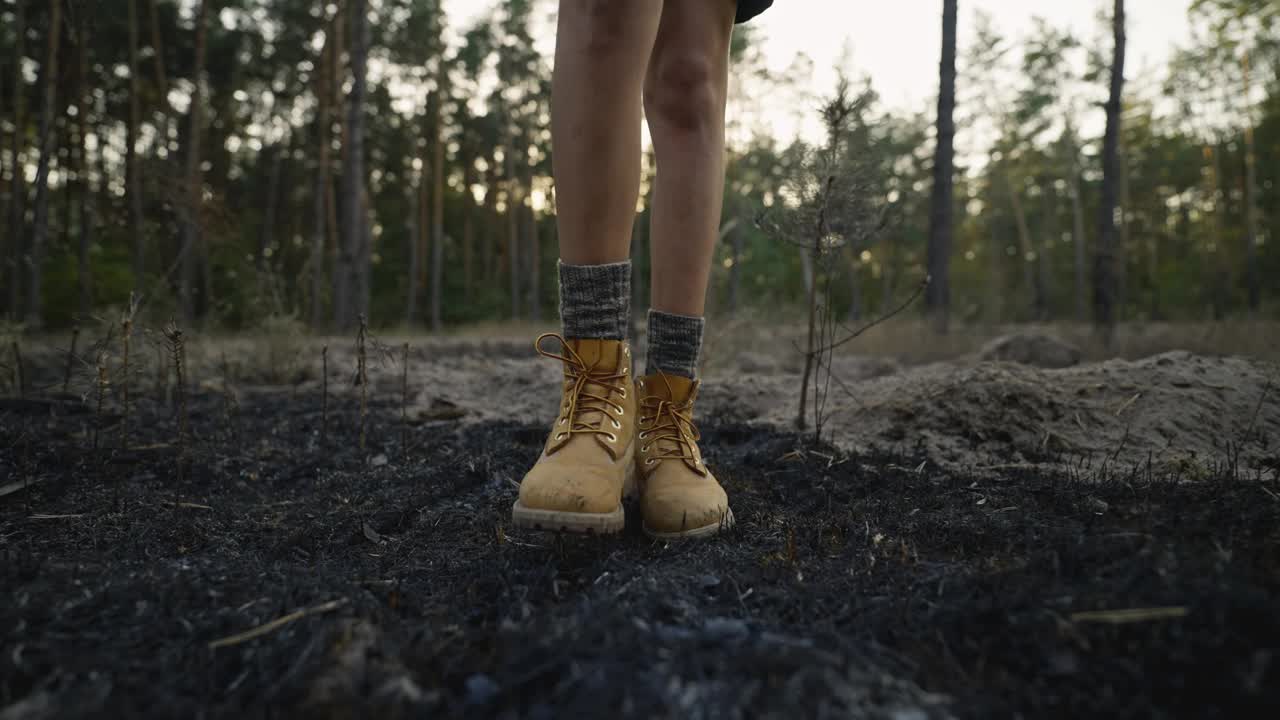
(705, 531)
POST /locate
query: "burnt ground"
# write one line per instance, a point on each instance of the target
(854, 585)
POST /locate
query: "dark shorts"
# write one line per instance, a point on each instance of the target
(748, 9)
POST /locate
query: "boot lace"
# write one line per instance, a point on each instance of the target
(669, 429)
(588, 392)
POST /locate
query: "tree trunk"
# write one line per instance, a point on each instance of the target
(468, 231)
(855, 293)
(40, 232)
(1252, 276)
(422, 237)
(162, 81)
(1104, 277)
(415, 227)
(88, 221)
(535, 263)
(735, 270)
(1123, 248)
(437, 212)
(1027, 254)
(941, 209)
(888, 277)
(489, 216)
(266, 239)
(337, 110)
(1217, 284)
(194, 177)
(806, 271)
(1044, 266)
(132, 189)
(350, 295)
(1077, 242)
(17, 187)
(513, 225)
(995, 281)
(324, 126)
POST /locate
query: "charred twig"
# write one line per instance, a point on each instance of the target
(276, 624)
(1130, 615)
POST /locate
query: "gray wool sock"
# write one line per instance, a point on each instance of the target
(675, 342)
(595, 300)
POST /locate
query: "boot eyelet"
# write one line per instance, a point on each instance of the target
(564, 420)
(612, 437)
(616, 425)
(624, 394)
(650, 461)
(561, 436)
(620, 411)
(644, 448)
(644, 434)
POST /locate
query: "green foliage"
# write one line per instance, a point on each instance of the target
(1023, 103)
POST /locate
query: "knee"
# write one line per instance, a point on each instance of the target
(683, 94)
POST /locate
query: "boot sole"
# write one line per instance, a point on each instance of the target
(702, 532)
(575, 522)
(570, 522)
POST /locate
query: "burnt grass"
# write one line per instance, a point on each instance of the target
(871, 585)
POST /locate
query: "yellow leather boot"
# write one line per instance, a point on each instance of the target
(678, 495)
(588, 461)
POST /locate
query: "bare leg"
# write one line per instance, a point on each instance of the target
(602, 49)
(684, 100)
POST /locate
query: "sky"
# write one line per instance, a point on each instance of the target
(897, 43)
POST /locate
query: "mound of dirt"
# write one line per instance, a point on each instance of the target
(1031, 348)
(1172, 410)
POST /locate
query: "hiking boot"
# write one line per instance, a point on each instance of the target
(588, 461)
(679, 496)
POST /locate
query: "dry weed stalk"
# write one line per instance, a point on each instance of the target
(71, 357)
(178, 352)
(126, 328)
(324, 394)
(229, 402)
(362, 376)
(104, 382)
(404, 401)
(20, 375)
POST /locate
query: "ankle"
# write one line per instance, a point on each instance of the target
(595, 300)
(675, 342)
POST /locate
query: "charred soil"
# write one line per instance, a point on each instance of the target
(269, 569)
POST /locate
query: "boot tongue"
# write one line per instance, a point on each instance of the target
(677, 389)
(599, 356)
